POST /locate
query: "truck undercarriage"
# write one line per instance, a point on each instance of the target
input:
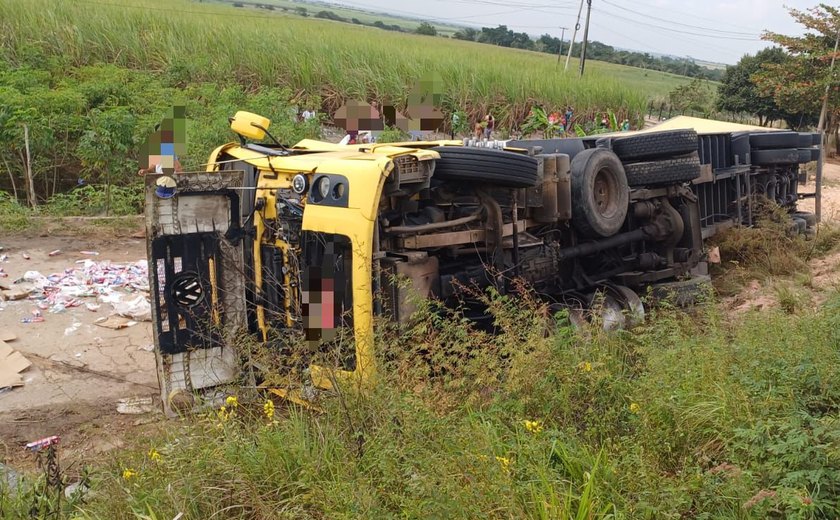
(309, 245)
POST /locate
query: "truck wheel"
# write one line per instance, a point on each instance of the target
(666, 171)
(809, 218)
(767, 140)
(460, 163)
(600, 194)
(631, 304)
(653, 145)
(805, 140)
(782, 156)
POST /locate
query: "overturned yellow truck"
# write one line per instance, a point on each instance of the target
(311, 244)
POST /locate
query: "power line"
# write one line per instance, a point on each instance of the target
(646, 45)
(679, 31)
(719, 21)
(737, 33)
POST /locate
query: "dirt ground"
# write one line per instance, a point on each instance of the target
(830, 193)
(825, 271)
(79, 369)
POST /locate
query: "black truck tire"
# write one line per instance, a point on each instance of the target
(816, 139)
(666, 171)
(781, 156)
(654, 145)
(809, 218)
(815, 154)
(805, 140)
(600, 194)
(770, 140)
(459, 163)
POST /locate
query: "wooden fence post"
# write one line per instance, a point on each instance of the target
(30, 194)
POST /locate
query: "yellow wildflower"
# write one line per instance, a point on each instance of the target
(232, 401)
(154, 455)
(223, 414)
(586, 366)
(635, 408)
(533, 426)
(128, 474)
(504, 462)
(268, 409)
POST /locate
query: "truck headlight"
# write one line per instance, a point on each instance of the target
(323, 187)
(299, 184)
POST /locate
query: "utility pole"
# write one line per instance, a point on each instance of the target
(560, 52)
(574, 34)
(585, 37)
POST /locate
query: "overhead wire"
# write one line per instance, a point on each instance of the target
(678, 31)
(710, 29)
(719, 20)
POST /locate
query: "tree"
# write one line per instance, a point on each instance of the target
(467, 33)
(739, 93)
(548, 43)
(302, 11)
(799, 84)
(500, 35)
(104, 147)
(426, 29)
(696, 96)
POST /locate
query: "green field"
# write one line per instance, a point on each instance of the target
(252, 47)
(362, 15)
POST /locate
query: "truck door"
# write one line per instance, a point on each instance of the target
(196, 237)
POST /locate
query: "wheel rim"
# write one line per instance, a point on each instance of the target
(605, 193)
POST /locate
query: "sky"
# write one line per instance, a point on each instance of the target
(709, 30)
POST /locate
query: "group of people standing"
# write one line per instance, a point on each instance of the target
(485, 127)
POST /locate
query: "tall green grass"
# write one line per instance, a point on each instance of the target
(690, 416)
(199, 42)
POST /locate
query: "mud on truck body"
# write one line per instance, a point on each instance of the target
(309, 245)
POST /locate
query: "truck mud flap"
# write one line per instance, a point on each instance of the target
(196, 249)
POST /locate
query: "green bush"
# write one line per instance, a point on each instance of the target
(13, 216)
(90, 200)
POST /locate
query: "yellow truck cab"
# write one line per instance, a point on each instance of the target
(300, 248)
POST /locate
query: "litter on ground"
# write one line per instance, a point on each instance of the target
(12, 363)
(115, 322)
(124, 286)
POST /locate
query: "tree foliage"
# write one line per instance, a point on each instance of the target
(798, 85)
(738, 92)
(426, 29)
(467, 33)
(89, 122)
(696, 96)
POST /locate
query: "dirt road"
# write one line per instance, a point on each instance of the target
(830, 193)
(79, 369)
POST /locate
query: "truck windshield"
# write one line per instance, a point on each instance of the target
(327, 298)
